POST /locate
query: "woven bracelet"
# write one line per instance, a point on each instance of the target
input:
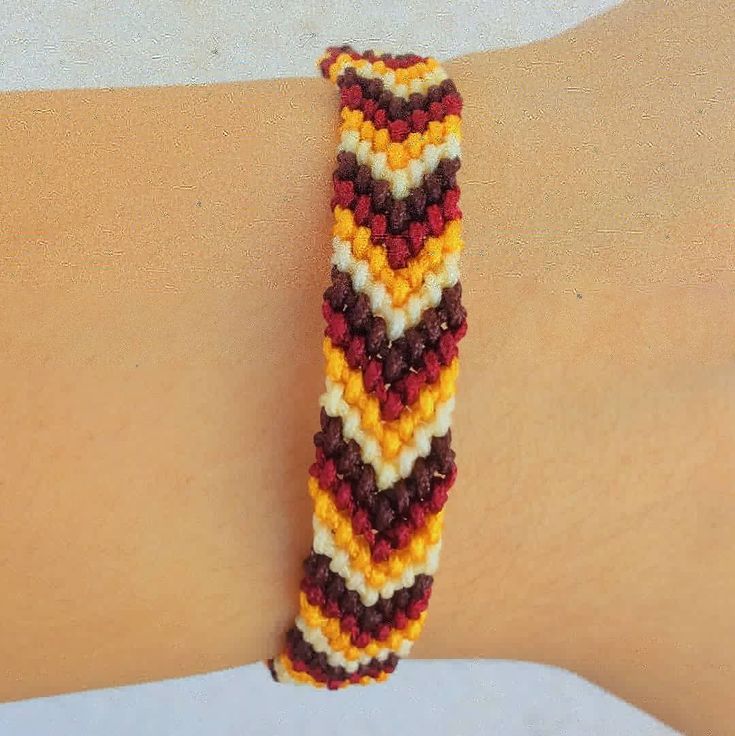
(393, 312)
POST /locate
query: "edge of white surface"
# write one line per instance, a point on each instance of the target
(50, 44)
(477, 696)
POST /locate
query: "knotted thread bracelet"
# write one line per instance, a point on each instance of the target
(393, 311)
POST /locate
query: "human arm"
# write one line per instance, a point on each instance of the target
(164, 255)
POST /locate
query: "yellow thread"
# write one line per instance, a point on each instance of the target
(306, 678)
(303, 677)
(381, 138)
(436, 133)
(397, 156)
(367, 131)
(419, 70)
(340, 641)
(400, 284)
(414, 144)
(390, 434)
(376, 573)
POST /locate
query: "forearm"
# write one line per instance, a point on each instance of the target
(166, 252)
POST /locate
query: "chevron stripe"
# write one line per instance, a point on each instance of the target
(358, 550)
(400, 284)
(397, 319)
(394, 376)
(285, 671)
(401, 180)
(383, 586)
(385, 110)
(336, 658)
(399, 152)
(427, 74)
(387, 470)
(382, 621)
(390, 435)
(397, 389)
(340, 642)
(401, 534)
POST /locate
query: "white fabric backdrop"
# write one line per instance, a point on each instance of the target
(454, 698)
(46, 44)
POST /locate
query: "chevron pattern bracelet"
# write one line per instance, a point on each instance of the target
(393, 312)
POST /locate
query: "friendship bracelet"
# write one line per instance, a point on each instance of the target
(384, 464)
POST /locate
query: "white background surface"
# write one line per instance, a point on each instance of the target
(98, 43)
(427, 698)
(47, 44)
